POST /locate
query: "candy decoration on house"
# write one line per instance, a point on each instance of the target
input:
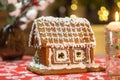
(63, 45)
(20, 13)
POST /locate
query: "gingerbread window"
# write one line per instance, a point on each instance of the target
(61, 55)
(79, 55)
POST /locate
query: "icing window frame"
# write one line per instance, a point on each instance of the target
(81, 57)
(59, 52)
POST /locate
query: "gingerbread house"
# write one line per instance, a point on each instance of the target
(63, 45)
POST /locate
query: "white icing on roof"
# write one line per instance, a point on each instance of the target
(114, 26)
(61, 32)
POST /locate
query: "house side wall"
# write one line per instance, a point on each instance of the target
(92, 54)
(43, 55)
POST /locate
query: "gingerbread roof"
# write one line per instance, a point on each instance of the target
(61, 32)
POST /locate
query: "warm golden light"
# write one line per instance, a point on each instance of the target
(74, 6)
(73, 15)
(116, 16)
(118, 4)
(103, 13)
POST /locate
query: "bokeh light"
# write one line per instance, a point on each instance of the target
(103, 14)
(74, 6)
(73, 16)
(118, 4)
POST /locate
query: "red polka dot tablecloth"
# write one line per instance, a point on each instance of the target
(16, 70)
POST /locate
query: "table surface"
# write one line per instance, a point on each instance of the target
(16, 70)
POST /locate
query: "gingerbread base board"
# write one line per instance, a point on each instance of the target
(62, 71)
